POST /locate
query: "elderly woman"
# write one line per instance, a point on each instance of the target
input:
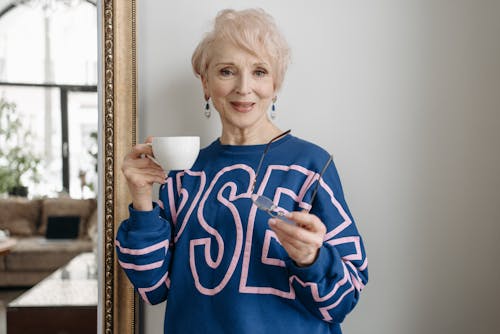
(256, 237)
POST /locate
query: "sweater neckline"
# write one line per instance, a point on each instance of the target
(256, 148)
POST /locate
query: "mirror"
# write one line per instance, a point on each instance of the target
(48, 150)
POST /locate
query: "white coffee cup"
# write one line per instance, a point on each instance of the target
(176, 153)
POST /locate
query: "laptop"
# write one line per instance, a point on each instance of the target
(62, 227)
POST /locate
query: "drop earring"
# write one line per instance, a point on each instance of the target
(273, 109)
(208, 113)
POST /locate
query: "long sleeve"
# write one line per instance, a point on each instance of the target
(331, 286)
(144, 249)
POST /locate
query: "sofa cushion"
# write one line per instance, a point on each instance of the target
(57, 207)
(22, 278)
(38, 253)
(20, 216)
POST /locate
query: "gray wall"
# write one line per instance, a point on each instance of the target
(406, 95)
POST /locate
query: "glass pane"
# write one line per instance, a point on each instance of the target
(57, 45)
(82, 128)
(39, 109)
(73, 42)
(22, 46)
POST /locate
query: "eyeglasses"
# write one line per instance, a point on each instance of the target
(266, 204)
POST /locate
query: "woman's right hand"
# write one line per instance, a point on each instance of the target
(140, 173)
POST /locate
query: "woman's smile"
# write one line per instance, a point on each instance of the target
(243, 107)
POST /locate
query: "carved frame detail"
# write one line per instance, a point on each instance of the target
(118, 302)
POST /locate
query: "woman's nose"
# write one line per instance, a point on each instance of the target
(243, 84)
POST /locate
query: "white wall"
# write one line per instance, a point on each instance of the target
(406, 95)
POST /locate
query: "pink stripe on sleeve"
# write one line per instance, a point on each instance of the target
(141, 267)
(142, 251)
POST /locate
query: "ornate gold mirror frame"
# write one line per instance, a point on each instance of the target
(118, 305)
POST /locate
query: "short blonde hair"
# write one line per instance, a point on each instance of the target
(252, 30)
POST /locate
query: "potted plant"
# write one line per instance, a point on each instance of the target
(17, 159)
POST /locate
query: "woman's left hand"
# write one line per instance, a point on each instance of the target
(303, 240)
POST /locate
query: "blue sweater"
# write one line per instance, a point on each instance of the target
(208, 250)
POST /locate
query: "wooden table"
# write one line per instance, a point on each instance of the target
(6, 245)
(65, 302)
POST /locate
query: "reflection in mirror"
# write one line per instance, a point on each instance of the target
(48, 164)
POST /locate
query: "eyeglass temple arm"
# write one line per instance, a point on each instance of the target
(264, 154)
(319, 178)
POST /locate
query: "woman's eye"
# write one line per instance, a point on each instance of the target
(260, 73)
(225, 72)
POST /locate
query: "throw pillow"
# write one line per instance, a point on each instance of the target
(56, 207)
(19, 216)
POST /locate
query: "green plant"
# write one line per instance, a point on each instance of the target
(17, 159)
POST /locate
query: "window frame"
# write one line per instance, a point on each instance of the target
(63, 95)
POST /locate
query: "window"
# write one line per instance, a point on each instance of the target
(48, 68)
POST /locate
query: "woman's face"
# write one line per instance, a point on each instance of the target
(240, 85)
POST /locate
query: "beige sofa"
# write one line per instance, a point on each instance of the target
(34, 257)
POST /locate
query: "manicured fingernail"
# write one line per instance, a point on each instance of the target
(272, 222)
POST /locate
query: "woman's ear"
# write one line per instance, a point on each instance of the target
(204, 83)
